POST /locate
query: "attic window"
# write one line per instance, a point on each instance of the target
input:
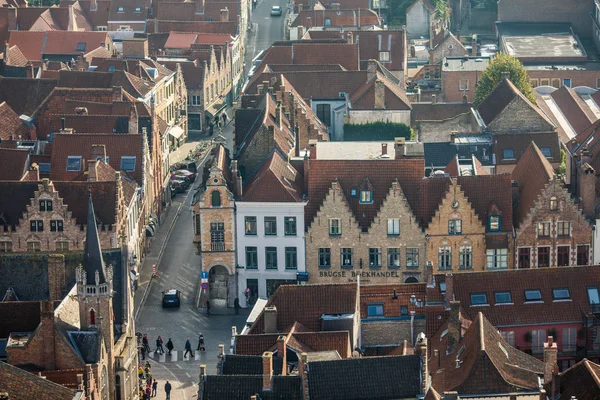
(503, 297)
(138, 9)
(553, 203)
(593, 295)
(44, 168)
(561, 294)
(478, 299)
(494, 223)
(73, 163)
(366, 197)
(327, 22)
(533, 295)
(111, 68)
(121, 9)
(546, 152)
(81, 46)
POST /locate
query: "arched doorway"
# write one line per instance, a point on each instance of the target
(411, 279)
(218, 286)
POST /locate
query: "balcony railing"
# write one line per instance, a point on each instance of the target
(217, 246)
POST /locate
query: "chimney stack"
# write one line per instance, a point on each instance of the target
(379, 95)
(47, 334)
(371, 70)
(282, 352)
(587, 189)
(92, 172)
(302, 371)
(433, 99)
(474, 49)
(399, 147)
(56, 276)
(421, 350)
(267, 359)
(270, 319)
(224, 14)
(550, 359)
(383, 148)
(312, 148)
(454, 326)
(99, 152)
(237, 179)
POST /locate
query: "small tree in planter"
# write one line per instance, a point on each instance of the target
(528, 337)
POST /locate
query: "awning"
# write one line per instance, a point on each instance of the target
(176, 132)
(216, 107)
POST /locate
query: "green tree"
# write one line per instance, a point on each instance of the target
(493, 75)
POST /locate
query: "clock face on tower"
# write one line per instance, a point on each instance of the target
(454, 204)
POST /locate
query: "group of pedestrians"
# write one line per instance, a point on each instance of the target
(148, 385)
(145, 346)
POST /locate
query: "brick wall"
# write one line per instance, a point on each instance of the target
(578, 77)
(335, 206)
(451, 82)
(581, 230)
(517, 116)
(456, 206)
(577, 12)
(257, 150)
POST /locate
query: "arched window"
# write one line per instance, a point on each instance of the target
(411, 279)
(553, 203)
(92, 317)
(216, 198)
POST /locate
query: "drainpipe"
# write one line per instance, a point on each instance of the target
(412, 328)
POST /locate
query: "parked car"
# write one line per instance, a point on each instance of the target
(276, 11)
(171, 298)
(186, 173)
(175, 177)
(180, 185)
(189, 166)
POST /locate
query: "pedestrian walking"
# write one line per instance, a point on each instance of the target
(146, 343)
(154, 386)
(201, 342)
(168, 390)
(207, 308)
(159, 346)
(188, 348)
(143, 350)
(236, 305)
(170, 346)
(224, 115)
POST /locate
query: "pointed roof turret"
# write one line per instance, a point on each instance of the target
(92, 253)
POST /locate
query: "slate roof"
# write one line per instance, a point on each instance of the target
(437, 111)
(483, 352)
(241, 387)
(255, 344)
(336, 17)
(316, 300)
(521, 312)
(248, 365)
(275, 181)
(14, 197)
(22, 385)
(581, 381)
(14, 164)
(116, 146)
(25, 95)
(367, 378)
(439, 154)
(87, 345)
(532, 173)
(18, 316)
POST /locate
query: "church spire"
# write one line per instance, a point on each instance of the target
(93, 264)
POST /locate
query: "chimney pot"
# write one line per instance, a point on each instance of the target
(221, 350)
(267, 369)
(384, 150)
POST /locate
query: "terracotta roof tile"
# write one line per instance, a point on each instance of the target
(22, 385)
(192, 26)
(104, 197)
(34, 45)
(16, 57)
(532, 173)
(130, 10)
(581, 382)
(11, 124)
(573, 108)
(482, 347)
(312, 18)
(25, 95)
(276, 180)
(372, 42)
(13, 164)
(178, 40)
(116, 146)
(316, 300)
(256, 344)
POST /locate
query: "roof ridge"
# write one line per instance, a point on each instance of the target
(592, 371)
(403, 200)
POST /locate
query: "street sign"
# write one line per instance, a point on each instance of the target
(204, 274)
(204, 285)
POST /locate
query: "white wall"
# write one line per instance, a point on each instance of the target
(260, 211)
(417, 21)
(596, 246)
(365, 116)
(338, 108)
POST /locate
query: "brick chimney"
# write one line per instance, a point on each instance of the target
(421, 350)
(282, 352)
(46, 331)
(371, 70)
(379, 95)
(267, 359)
(117, 93)
(98, 152)
(587, 189)
(312, 148)
(92, 172)
(224, 13)
(34, 172)
(133, 120)
(474, 46)
(383, 149)
(454, 326)
(303, 372)
(399, 147)
(550, 359)
(270, 319)
(56, 276)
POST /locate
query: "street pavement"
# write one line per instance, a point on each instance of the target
(178, 265)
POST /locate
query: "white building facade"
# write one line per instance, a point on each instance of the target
(270, 248)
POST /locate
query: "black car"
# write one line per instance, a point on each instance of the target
(178, 186)
(171, 298)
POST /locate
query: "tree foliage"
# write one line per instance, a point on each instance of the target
(493, 75)
(375, 131)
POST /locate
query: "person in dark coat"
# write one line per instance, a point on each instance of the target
(159, 346)
(168, 390)
(236, 305)
(201, 342)
(188, 348)
(143, 350)
(146, 343)
(154, 386)
(170, 346)
(207, 308)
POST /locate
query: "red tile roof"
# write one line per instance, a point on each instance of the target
(11, 124)
(520, 312)
(192, 26)
(581, 382)
(178, 40)
(488, 365)
(104, 197)
(275, 181)
(395, 96)
(316, 300)
(116, 146)
(312, 53)
(391, 306)
(532, 173)
(14, 198)
(34, 45)
(13, 164)
(312, 18)
(573, 108)
(16, 57)
(22, 385)
(372, 42)
(129, 11)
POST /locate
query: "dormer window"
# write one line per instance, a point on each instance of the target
(121, 9)
(73, 163)
(216, 198)
(494, 223)
(366, 192)
(138, 10)
(553, 203)
(81, 46)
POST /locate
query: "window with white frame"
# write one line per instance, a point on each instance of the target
(384, 56)
(563, 228)
(465, 256)
(5, 246)
(569, 339)
(455, 226)
(196, 100)
(412, 257)
(393, 227)
(335, 226)
(463, 84)
(445, 258)
(543, 229)
(497, 258)
(538, 337)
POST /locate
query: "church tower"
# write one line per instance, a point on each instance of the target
(95, 291)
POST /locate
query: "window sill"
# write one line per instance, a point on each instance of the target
(412, 267)
(250, 234)
(324, 266)
(454, 233)
(374, 266)
(252, 268)
(291, 269)
(335, 234)
(394, 267)
(270, 234)
(290, 235)
(346, 266)
(393, 234)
